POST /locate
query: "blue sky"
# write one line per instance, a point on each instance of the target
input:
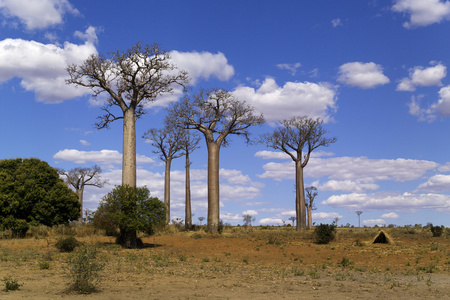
(375, 71)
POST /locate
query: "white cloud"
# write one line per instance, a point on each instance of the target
(441, 107)
(436, 184)
(336, 22)
(84, 143)
(423, 12)
(37, 14)
(325, 216)
(42, 67)
(418, 76)
(271, 221)
(391, 215)
(406, 202)
(290, 67)
(264, 154)
(293, 99)
(373, 222)
(363, 75)
(228, 217)
(102, 157)
(357, 169)
(347, 186)
(250, 212)
(199, 65)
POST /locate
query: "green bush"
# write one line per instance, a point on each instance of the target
(324, 233)
(436, 230)
(67, 244)
(11, 284)
(18, 227)
(84, 270)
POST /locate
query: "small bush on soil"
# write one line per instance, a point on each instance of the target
(436, 230)
(18, 227)
(324, 233)
(11, 284)
(345, 262)
(67, 244)
(84, 270)
(44, 265)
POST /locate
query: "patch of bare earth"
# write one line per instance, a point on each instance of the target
(241, 264)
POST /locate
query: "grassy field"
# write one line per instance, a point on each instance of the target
(242, 263)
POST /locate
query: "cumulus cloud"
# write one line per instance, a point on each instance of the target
(406, 202)
(293, 99)
(360, 170)
(373, 222)
(362, 75)
(265, 154)
(290, 67)
(250, 212)
(347, 186)
(423, 12)
(419, 76)
(429, 114)
(321, 216)
(102, 157)
(271, 221)
(42, 67)
(391, 215)
(37, 14)
(436, 184)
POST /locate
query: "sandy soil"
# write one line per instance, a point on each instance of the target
(244, 264)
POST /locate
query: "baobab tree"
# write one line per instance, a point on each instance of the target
(359, 212)
(130, 79)
(297, 134)
(311, 193)
(216, 113)
(78, 178)
(293, 220)
(189, 143)
(167, 142)
(201, 219)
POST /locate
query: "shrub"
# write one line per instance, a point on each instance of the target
(324, 233)
(436, 230)
(18, 227)
(67, 244)
(11, 284)
(84, 270)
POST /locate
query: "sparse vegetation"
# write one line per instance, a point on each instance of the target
(11, 284)
(324, 233)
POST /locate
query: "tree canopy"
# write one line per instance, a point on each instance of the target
(32, 191)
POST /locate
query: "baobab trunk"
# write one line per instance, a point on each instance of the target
(188, 211)
(129, 148)
(167, 188)
(300, 197)
(213, 186)
(80, 199)
(309, 217)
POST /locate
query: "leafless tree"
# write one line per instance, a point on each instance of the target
(248, 219)
(295, 135)
(78, 178)
(129, 79)
(359, 212)
(293, 220)
(311, 193)
(216, 113)
(336, 220)
(189, 143)
(201, 219)
(167, 144)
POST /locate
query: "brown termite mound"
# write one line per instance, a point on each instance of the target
(382, 238)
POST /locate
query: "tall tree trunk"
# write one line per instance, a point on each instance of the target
(213, 186)
(167, 188)
(80, 199)
(309, 217)
(188, 211)
(300, 208)
(129, 148)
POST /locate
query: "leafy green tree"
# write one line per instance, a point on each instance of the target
(131, 209)
(32, 192)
